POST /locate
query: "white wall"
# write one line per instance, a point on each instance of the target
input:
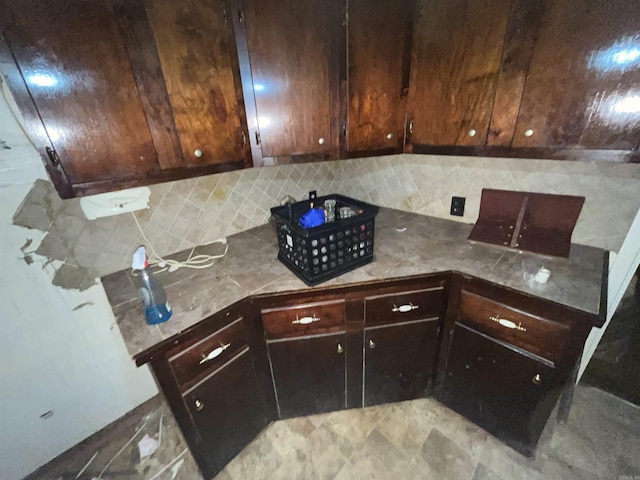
(52, 358)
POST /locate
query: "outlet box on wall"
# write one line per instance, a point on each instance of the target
(457, 206)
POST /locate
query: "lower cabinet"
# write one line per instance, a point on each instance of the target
(211, 376)
(507, 391)
(399, 361)
(499, 357)
(309, 374)
(507, 360)
(226, 410)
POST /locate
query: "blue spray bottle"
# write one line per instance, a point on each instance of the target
(153, 296)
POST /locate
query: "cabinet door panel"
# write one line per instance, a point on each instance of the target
(583, 88)
(289, 52)
(309, 374)
(507, 392)
(379, 56)
(76, 68)
(399, 361)
(227, 411)
(457, 47)
(197, 52)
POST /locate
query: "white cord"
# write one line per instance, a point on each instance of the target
(193, 261)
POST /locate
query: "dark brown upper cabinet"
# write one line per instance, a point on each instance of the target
(125, 93)
(69, 70)
(457, 49)
(197, 52)
(292, 50)
(583, 89)
(379, 56)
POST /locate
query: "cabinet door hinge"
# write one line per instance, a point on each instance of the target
(53, 156)
(240, 15)
(224, 13)
(244, 139)
(257, 138)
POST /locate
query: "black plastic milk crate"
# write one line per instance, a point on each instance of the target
(320, 253)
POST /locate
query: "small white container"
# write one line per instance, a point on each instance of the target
(542, 275)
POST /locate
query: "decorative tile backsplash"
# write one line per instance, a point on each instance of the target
(191, 212)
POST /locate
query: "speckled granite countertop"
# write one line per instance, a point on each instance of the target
(405, 244)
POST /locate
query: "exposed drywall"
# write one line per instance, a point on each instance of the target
(64, 370)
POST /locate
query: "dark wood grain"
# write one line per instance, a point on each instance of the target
(379, 36)
(572, 154)
(457, 47)
(75, 65)
(399, 361)
(541, 336)
(32, 121)
(522, 31)
(383, 309)
(285, 322)
(227, 422)
(143, 54)
(289, 49)
(582, 89)
(190, 365)
(236, 16)
(309, 374)
(196, 46)
(495, 386)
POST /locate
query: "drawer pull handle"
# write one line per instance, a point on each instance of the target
(537, 379)
(508, 323)
(199, 405)
(305, 320)
(372, 344)
(214, 353)
(405, 308)
(340, 349)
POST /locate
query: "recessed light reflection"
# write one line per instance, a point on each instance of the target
(42, 80)
(622, 56)
(630, 104)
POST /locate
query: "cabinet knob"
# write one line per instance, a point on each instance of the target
(537, 379)
(197, 152)
(340, 349)
(472, 133)
(389, 136)
(199, 405)
(528, 133)
(372, 344)
(321, 140)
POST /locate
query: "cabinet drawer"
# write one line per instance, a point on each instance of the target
(538, 335)
(309, 319)
(194, 363)
(403, 306)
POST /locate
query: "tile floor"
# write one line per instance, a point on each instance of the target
(420, 439)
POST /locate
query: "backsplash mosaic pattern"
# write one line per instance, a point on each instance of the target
(190, 212)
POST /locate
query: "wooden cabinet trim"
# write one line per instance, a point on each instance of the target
(401, 324)
(242, 352)
(510, 346)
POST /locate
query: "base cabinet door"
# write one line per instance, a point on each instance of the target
(227, 410)
(399, 361)
(505, 390)
(309, 374)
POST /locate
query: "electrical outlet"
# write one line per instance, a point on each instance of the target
(457, 206)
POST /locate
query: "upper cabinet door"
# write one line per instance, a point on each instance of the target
(583, 88)
(290, 52)
(457, 48)
(378, 75)
(196, 47)
(75, 68)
